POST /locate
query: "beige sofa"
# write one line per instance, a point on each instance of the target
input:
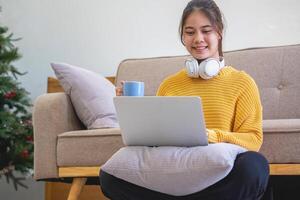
(63, 148)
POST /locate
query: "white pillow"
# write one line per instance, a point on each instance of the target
(91, 95)
(175, 171)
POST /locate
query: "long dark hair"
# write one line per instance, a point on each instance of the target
(212, 12)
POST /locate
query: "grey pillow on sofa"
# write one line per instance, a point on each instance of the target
(176, 171)
(91, 95)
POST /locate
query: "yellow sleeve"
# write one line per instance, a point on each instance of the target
(170, 84)
(247, 127)
(163, 88)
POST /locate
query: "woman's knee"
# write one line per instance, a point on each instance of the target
(252, 168)
(107, 185)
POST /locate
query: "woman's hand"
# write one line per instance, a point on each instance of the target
(119, 90)
(208, 131)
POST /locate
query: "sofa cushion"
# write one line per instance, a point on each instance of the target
(95, 147)
(173, 170)
(87, 147)
(281, 147)
(281, 140)
(91, 95)
(276, 71)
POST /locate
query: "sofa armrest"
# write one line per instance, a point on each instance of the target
(281, 125)
(53, 114)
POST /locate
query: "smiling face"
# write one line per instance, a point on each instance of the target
(200, 38)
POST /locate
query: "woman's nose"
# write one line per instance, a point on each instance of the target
(198, 37)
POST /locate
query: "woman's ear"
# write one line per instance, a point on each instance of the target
(219, 35)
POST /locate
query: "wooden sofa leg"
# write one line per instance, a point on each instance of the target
(76, 188)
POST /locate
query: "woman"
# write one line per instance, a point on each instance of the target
(231, 104)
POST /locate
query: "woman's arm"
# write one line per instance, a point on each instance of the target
(247, 127)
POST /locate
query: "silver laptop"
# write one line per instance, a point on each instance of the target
(161, 121)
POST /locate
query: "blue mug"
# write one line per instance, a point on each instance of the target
(133, 88)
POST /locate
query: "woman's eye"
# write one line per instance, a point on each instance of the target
(189, 33)
(207, 31)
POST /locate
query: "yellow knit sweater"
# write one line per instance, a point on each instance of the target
(231, 104)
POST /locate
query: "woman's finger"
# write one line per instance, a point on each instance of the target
(119, 91)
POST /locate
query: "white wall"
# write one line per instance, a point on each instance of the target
(98, 34)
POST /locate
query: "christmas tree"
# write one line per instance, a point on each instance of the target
(16, 138)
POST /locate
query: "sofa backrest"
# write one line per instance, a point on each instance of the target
(276, 71)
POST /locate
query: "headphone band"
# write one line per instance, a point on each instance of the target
(222, 62)
(206, 69)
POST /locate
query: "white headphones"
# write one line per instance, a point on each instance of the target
(207, 69)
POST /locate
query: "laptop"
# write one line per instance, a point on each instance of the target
(161, 121)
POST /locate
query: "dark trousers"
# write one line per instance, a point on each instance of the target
(247, 181)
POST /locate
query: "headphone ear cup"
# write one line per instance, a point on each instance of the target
(192, 67)
(209, 68)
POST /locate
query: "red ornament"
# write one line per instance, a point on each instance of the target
(10, 95)
(25, 153)
(29, 138)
